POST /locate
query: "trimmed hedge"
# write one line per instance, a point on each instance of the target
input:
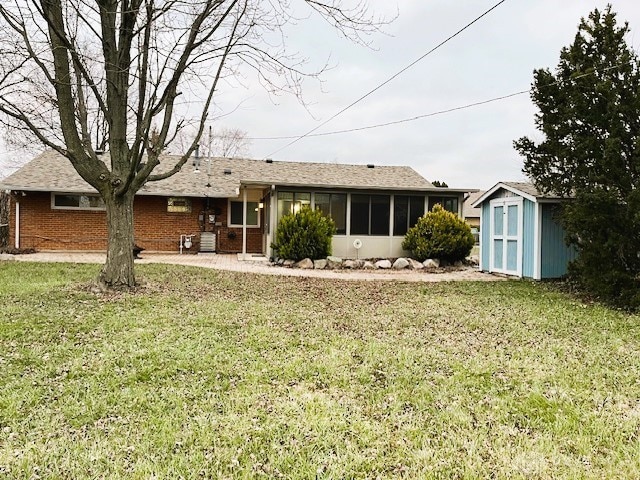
(439, 234)
(305, 234)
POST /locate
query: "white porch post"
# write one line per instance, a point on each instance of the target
(273, 219)
(17, 238)
(392, 202)
(244, 223)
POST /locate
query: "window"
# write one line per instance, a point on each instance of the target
(370, 214)
(77, 202)
(406, 212)
(334, 205)
(292, 202)
(448, 203)
(179, 205)
(235, 214)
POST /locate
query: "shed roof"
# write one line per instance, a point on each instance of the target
(524, 189)
(51, 171)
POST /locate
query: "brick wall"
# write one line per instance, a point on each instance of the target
(156, 229)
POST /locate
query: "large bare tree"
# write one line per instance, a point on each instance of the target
(73, 71)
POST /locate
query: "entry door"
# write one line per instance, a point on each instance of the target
(506, 236)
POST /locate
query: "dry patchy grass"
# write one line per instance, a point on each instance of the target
(220, 375)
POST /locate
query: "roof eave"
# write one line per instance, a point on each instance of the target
(504, 186)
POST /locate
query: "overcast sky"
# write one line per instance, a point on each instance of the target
(467, 148)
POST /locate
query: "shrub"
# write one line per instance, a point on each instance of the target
(305, 234)
(439, 234)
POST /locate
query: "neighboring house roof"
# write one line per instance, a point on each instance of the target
(51, 171)
(525, 189)
(468, 210)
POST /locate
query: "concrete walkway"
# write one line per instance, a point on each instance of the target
(231, 263)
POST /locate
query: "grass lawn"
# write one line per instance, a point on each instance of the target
(206, 374)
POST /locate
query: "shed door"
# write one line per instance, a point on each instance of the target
(506, 236)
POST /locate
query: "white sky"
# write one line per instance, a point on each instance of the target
(468, 148)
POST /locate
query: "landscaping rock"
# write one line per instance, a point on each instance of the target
(353, 264)
(7, 257)
(305, 263)
(431, 263)
(367, 265)
(288, 263)
(320, 264)
(415, 265)
(334, 262)
(400, 264)
(458, 264)
(383, 264)
(473, 260)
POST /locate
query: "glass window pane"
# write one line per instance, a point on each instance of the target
(66, 201)
(512, 220)
(451, 205)
(497, 254)
(96, 201)
(339, 212)
(400, 214)
(252, 213)
(82, 202)
(416, 210)
(236, 213)
(285, 204)
(323, 203)
(359, 214)
(178, 204)
(498, 227)
(303, 197)
(380, 214)
(512, 255)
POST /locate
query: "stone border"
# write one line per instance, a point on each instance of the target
(402, 263)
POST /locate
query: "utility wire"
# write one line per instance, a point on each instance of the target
(393, 77)
(396, 122)
(432, 114)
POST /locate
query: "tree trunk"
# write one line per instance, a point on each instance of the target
(118, 269)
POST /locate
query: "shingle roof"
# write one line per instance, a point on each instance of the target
(53, 172)
(529, 189)
(468, 210)
(525, 189)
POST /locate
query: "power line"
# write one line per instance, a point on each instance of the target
(432, 114)
(396, 122)
(393, 77)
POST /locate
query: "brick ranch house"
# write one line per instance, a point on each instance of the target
(224, 205)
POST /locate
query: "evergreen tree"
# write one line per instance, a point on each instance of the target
(589, 113)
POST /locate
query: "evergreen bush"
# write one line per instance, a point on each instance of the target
(305, 234)
(439, 234)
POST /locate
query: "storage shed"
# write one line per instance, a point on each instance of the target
(520, 235)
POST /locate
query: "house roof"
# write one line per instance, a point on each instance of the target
(51, 171)
(524, 189)
(468, 210)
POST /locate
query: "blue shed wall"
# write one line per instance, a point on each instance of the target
(528, 237)
(555, 254)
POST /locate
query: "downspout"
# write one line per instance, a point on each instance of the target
(244, 223)
(17, 238)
